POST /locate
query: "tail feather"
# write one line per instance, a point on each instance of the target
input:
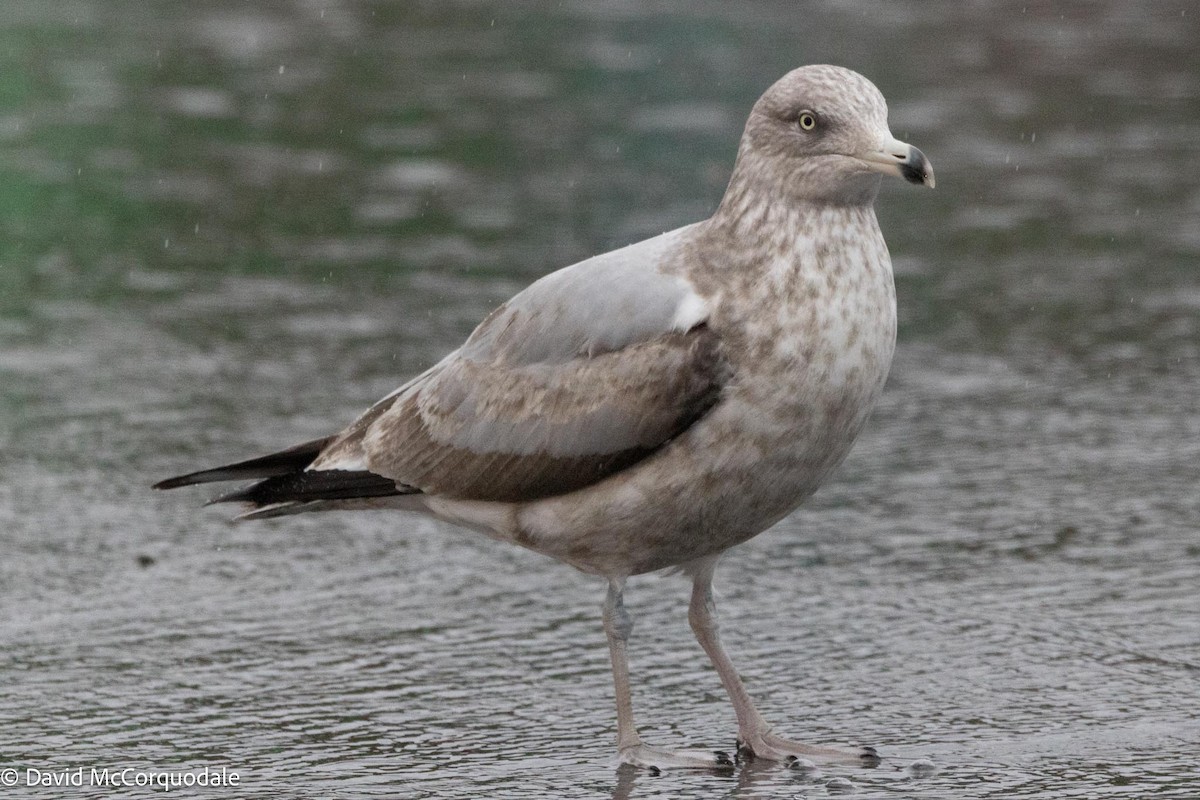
(285, 462)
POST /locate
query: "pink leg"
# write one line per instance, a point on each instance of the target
(754, 735)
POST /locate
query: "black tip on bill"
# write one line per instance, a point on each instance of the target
(912, 174)
(916, 168)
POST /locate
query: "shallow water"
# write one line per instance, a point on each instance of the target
(226, 227)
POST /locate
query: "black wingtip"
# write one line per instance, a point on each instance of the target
(174, 483)
(304, 487)
(293, 459)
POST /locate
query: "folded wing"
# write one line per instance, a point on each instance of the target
(583, 374)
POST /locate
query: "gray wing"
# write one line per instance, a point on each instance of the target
(586, 372)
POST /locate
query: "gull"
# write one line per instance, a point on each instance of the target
(652, 407)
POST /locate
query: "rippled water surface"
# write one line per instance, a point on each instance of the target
(230, 226)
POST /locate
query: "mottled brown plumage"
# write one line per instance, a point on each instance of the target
(439, 436)
(654, 406)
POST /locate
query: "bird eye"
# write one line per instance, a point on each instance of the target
(807, 120)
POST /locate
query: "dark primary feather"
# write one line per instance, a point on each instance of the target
(285, 479)
(305, 487)
(293, 459)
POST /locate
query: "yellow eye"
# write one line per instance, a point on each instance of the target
(807, 120)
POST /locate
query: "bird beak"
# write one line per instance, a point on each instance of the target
(895, 157)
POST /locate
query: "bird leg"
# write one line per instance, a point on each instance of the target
(754, 734)
(630, 748)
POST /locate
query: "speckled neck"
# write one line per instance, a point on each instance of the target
(759, 188)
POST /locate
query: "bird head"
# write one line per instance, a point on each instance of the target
(821, 133)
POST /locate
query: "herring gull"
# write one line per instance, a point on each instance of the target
(654, 406)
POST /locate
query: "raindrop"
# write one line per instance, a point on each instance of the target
(839, 784)
(801, 765)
